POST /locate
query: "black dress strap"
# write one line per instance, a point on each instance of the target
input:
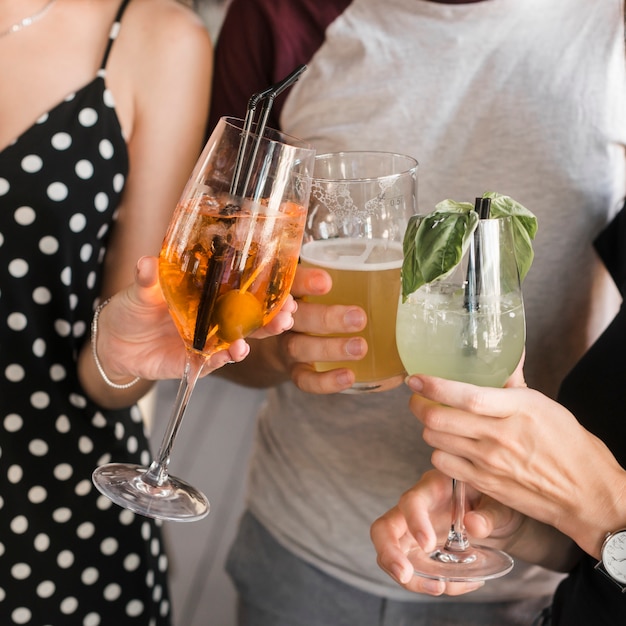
(115, 29)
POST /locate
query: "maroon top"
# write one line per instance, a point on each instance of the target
(294, 32)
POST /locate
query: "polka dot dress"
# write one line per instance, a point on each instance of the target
(68, 556)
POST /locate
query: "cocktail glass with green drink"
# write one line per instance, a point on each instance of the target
(461, 317)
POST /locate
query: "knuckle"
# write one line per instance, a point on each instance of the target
(476, 401)
(431, 416)
(330, 316)
(289, 345)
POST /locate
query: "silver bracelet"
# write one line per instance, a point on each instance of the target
(94, 338)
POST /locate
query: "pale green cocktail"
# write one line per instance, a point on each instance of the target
(435, 335)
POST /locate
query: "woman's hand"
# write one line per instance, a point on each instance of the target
(421, 520)
(280, 323)
(137, 338)
(523, 449)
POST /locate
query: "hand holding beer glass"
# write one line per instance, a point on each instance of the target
(360, 205)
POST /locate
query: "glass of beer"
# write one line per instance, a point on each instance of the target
(359, 209)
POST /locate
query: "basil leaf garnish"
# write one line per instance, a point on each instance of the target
(435, 243)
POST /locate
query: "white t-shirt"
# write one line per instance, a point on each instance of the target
(524, 98)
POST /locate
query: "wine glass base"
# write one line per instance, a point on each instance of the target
(174, 500)
(474, 564)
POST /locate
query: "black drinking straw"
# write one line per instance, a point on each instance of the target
(267, 97)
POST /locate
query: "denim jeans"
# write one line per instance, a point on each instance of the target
(277, 588)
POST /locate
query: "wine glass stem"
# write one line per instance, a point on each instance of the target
(157, 472)
(457, 537)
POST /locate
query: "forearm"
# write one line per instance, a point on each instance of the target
(578, 524)
(543, 545)
(600, 509)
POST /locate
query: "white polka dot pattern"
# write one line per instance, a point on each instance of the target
(68, 555)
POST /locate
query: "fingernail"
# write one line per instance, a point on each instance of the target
(399, 573)
(414, 383)
(354, 318)
(354, 347)
(343, 378)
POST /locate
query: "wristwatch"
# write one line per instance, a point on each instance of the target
(613, 562)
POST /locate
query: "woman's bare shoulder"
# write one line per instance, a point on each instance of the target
(165, 25)
(163, 50)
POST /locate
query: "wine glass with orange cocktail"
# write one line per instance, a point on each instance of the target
(225, 268)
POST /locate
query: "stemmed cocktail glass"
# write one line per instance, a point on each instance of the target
(467, 326)
(226, 267)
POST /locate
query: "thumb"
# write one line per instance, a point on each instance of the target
(146, 289)
(490, 518)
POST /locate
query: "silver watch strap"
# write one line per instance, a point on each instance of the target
(600, 567)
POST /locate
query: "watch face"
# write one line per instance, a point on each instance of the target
(614, 556)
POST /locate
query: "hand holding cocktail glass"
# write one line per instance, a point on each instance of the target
(461, 317)
(226, 267)
(137, 337)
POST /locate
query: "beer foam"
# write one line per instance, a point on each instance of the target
(365, 255)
